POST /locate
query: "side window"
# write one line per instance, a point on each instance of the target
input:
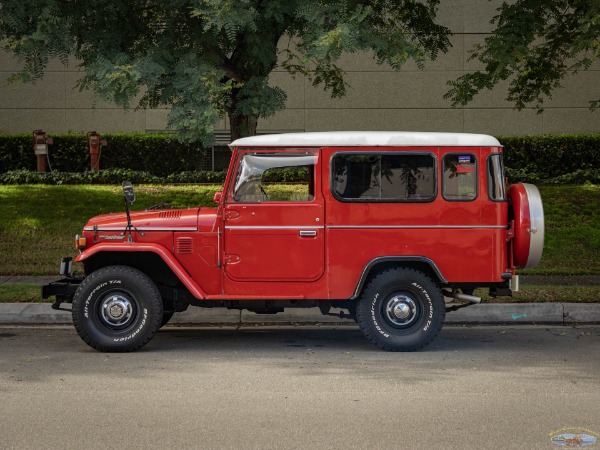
(460, 177)
(260, 175)
(384, 177)
(495, 177)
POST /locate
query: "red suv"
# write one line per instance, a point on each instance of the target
(383, 224)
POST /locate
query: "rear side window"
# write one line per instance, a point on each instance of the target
(369, 177)
(460, 177)
(495, 177)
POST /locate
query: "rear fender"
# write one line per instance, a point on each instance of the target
(426, 265)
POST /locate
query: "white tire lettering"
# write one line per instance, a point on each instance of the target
(373, 317)
(89, 299)
(426, 327)
(136, 332)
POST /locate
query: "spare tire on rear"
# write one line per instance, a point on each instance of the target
(528, 214)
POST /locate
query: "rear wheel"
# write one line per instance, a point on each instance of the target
(117, 309)
(401, 309)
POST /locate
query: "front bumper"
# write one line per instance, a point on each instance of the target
(63, 289)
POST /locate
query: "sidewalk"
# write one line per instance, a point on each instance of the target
(488, 313)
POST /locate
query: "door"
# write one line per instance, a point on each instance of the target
(275, 232)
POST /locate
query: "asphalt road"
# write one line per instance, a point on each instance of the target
(299, 387)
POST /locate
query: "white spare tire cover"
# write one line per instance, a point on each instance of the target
(528, 212)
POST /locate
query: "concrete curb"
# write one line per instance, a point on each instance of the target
(510, 313)
(581, 312)
(493, 313)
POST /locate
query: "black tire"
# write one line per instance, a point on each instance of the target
(401, 310)
(117, 309)
(165, 318)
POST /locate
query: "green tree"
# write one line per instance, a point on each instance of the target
(535, 45)
(210, 58)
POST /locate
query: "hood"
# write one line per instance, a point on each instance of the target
(155, 220)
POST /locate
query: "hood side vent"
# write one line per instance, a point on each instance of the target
(185, 245)
(169, 215)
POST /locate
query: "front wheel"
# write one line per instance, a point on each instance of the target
(165, 318)
(401, 309)
(117, 309)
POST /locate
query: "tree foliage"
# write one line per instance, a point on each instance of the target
(535, 45)
(210, 58)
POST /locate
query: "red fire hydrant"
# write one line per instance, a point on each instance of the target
(40, 147)
(94, 145)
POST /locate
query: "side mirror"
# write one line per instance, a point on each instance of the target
(128, 192)
(217, 197)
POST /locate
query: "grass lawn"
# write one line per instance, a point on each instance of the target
(546, 294)
(22, 293)
(37, 223)
(572, 239)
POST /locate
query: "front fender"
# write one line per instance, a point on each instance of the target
(162, 252)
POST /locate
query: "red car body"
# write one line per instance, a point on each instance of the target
(434, 203)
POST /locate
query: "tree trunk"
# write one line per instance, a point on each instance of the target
(242, 126)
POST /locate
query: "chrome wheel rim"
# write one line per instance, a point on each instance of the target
(401, 310)
(116, 310)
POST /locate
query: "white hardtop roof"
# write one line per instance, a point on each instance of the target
(368, 139)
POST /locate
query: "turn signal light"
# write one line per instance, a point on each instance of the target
(80, 242)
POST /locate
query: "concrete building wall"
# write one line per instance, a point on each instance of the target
(379, 98)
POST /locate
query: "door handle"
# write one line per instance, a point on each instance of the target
(308, 233)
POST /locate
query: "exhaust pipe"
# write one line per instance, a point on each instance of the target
(464, 297)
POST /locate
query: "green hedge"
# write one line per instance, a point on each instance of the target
(117, 176)
(553, 159)
(109, 176)
(158, 154)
